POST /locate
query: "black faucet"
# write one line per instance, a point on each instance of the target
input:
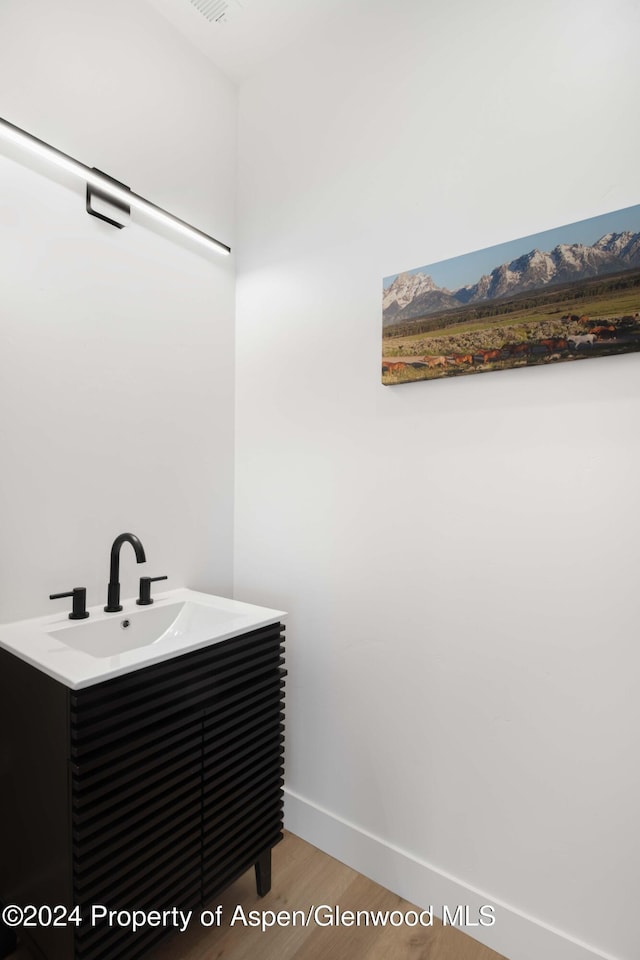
(113, 593)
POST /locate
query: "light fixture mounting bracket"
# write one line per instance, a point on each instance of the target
(94, 192)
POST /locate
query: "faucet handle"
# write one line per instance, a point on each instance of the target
(145, 590)
(79, 594)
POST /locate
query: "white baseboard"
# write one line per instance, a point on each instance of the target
(513, 934)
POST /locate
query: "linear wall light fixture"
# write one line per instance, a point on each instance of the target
(104, 187)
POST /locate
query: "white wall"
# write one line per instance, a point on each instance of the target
(459, 557)
(116, 366)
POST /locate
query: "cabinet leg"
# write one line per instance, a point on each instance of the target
(263, 873)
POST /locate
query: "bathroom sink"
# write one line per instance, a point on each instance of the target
(82, 652)
(143, 627)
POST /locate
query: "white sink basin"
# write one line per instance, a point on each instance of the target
(143, 627)
(82, 652)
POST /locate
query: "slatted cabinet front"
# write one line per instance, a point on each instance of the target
(242, 782)
(176, 783)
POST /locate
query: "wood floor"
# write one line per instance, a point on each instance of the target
(304, 876)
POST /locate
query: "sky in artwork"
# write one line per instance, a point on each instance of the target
(467, 269)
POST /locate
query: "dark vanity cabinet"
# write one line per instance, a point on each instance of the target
(149, 791)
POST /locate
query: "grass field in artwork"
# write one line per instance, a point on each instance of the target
(593, 315)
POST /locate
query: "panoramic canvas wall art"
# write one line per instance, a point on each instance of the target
(564, 294)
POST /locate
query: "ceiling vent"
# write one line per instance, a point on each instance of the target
(217, 11)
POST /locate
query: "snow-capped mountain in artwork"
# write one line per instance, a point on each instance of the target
(415, 294)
